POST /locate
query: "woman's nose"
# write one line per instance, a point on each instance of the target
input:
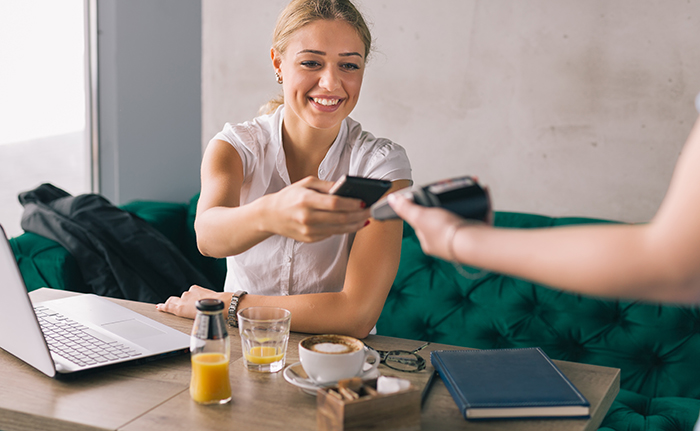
(329, 79)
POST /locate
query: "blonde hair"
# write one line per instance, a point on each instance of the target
(299, 13)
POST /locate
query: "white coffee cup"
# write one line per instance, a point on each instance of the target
(328, 358)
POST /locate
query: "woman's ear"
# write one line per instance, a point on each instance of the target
(276, 58)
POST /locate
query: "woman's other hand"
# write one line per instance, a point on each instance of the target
(184, 306)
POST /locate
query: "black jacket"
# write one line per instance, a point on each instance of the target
(119, 254)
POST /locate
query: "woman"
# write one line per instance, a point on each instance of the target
(658, 261)
(264, 202)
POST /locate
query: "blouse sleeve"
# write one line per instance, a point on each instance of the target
(378, 157)
(244, 142)
(389, 162)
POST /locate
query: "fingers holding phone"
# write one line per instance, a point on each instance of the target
(305, 211)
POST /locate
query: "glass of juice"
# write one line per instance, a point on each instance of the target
(211, 351)
(264, 335)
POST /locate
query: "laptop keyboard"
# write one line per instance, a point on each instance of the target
(78, 343)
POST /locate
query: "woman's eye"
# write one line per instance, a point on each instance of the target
(350, 66)
(310, 63)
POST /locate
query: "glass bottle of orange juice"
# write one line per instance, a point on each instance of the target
(210, 348)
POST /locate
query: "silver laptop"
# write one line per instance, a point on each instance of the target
(77, 333)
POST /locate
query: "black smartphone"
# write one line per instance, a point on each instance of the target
(369, 190)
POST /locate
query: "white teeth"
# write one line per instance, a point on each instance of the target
(326, 102)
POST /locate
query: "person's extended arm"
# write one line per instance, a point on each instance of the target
(298, 211)
(655, 261)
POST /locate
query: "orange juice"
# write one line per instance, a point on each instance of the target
(210, 382)
(264, 355)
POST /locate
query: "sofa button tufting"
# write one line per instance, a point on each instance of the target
(654, 360)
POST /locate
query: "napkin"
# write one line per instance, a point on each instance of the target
(389, 385)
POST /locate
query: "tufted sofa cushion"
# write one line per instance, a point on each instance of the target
(631, 411)
(655, 346)
(44, 262)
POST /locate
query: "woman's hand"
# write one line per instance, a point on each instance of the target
(304, 211)
(184, 306)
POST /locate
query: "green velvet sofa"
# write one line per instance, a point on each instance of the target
(656, 346)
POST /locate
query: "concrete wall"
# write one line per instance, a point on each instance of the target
(563, 107)
(149, 99)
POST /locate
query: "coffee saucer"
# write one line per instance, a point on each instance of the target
(296, 375)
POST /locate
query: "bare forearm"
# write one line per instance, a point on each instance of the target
(332, 312)
(224, 231)
(614, 261)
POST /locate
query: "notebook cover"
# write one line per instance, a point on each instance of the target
(508, 383)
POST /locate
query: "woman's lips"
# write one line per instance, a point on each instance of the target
(326, 104)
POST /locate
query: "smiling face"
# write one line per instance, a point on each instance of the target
(322, 69)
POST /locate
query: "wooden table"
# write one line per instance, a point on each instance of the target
(155, 396)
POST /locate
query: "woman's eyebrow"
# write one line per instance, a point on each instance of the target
(311, 51)
(317, 52)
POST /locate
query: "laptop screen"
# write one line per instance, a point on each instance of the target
(20, 333)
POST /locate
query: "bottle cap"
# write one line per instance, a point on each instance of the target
(209, 304)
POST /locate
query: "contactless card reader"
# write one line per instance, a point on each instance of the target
(461, 195)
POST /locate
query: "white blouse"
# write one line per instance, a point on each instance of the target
(281, 265)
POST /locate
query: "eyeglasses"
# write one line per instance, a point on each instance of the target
(402, 360)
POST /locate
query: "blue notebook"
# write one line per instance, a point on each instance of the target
(508, 383)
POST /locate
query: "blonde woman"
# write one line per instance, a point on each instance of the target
(264, 202)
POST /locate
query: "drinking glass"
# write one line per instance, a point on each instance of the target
(264, 335)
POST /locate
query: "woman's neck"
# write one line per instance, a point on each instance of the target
(305, 148)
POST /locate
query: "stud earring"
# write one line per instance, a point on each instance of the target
(279, 78)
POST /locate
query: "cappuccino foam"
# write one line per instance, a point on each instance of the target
(331, 344)
(332, 348)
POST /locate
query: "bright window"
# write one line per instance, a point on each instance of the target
(43, 86)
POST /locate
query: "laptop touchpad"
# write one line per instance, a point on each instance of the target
(132, 329)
